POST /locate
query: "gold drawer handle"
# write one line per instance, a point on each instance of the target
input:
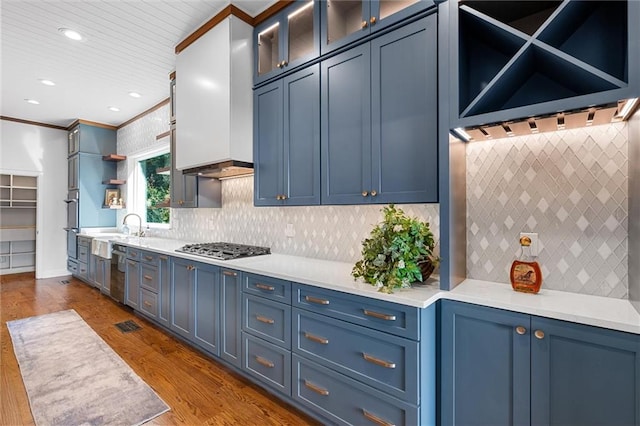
(372, 21)
(264, 319)
(190, 267)
(230, 274)
(147, 303)
(378, 361)
(377, 420)
(521, 330)
(316, 339)
(132, 263)
(364, 24)
(264, 361)
(163, 257)
(316, 300)
(265, 287)
(148, 257)
(133, 254)
(317, 389)
(387, 317)
(147, 277)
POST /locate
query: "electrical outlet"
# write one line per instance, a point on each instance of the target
(534, 241)
(289, 232)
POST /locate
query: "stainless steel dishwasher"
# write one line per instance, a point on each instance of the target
(118, 262)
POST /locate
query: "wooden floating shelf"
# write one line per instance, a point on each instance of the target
(163, 171)
(114, 182)
(114, 157)
(113, 207)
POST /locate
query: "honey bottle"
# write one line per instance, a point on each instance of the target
(525, 271)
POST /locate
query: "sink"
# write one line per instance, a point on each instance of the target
(101, 246)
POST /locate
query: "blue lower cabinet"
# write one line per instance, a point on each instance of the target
(182, 282)
(268, 363)
(132, 283)
(501, 367)
(378, 359)
(149, 303)
(207, 313)
(164, 292)
(267, 319)
(583, 375)
(344, 400)
(231, 316)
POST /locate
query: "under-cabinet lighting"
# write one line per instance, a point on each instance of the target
(114, 109)
(32, 101)
(628, 106)
(69, 33)
(460, 133)
(299, 11)
(533, 126)
(266, 30)
(508, 130)
(47, 82)
(135, 95)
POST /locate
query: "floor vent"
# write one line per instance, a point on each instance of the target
(65, 282)
(128, 326)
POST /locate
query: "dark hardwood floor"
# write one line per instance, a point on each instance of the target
(198, 390)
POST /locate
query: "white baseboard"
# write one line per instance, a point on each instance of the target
(52, 273)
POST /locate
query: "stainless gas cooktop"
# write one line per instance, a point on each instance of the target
(224, 251)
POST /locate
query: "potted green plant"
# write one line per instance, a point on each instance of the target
(398, 252)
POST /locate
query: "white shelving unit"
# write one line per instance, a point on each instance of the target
(18, 218)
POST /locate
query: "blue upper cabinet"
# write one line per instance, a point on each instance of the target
(91, 140)
(345, 21)
(287, 40)
(379, 119)
(287, 140)
(522, 59)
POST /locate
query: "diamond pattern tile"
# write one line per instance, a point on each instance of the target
(571, 187)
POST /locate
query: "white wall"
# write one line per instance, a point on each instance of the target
(37, 149)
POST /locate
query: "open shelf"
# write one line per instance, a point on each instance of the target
(114, 182)
(527, 17)
(114, 157)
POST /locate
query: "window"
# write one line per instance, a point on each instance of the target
(149, 186)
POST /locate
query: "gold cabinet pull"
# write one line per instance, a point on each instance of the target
(365, 193)
(372, 359)
(163, 258)
(132, 263)
(316, 339)
(265, 287)
(147, 277)
(364, 24)
(374, 193)
(284, 63)
(372, 21)
(264, 319)
(316, 300)
(386, 317)
(539, 334)
(230, 273)
(148, 257)
(521, 330)
(147, 303)
(190, 268)
(375, 419)
(264, 361)
(317, 389)
(278, 197)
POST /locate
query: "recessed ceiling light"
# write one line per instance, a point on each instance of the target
(73, 35)
(135, 95)
(114, 109)
(47, 82)
(32, 101)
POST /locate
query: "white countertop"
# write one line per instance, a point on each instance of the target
(616, 314)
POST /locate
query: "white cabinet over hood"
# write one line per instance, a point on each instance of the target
(213, 97)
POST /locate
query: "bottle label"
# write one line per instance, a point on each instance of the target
(524, 274)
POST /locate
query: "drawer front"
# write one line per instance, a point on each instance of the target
(72, 266)
(344, 400)
(271, 288)
(83, 270)
(267, 319)
(267, 362)
(149, 303)
(133, 254)
(149, 257)
(83, 254)
(386, 362)
(84, 241)
(377, 314)
(149, 278)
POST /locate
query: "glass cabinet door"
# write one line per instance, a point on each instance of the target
(387, 12)
(301, 34)
(269, 49)
(344, 21)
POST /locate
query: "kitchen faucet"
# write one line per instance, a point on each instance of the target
(140, 232)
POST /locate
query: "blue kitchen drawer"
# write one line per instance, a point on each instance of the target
(133, 253)
(72, 266)
(83, 270)
(272, 288)
(149, 278)
(389, 317)
(83, 254)
(149, 257)
(149, 303)
(267, 362)
(386, 362)
(267, 319)
(344, 400)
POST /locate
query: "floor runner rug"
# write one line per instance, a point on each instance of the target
(73, 377)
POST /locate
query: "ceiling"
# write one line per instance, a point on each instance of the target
(128, 46)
